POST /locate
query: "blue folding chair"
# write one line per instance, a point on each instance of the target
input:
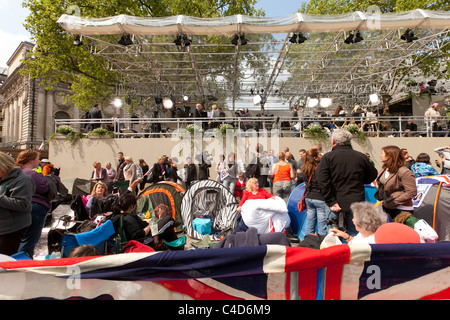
(98, 237)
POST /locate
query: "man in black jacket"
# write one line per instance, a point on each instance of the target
(95, 113)
(191, 172)
(342, 174)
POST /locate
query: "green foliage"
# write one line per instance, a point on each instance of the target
(56, 60)
(192, 128)
(386, 6)
(420, 65)
(316, 133)
(64, 130)
(72, 135)
(354, 129)
(101, 132)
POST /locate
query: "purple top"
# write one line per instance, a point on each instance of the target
(42, 187)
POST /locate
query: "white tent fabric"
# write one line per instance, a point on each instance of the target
(271, 63)
(245, 24)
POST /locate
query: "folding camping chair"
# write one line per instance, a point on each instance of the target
(98, 237)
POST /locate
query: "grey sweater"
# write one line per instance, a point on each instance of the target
(16, 191)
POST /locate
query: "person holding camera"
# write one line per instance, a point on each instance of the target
(367, 219)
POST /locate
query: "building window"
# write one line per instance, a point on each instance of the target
(61, 115)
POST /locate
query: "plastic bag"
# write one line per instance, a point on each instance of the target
(330, 240)
(426, 232)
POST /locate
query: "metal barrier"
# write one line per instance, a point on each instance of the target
(166, 127)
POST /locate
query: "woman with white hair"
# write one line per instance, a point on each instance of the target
(129, 170)
(367, 219)
(16, 191)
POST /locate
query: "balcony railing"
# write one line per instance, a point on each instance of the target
(166, 127)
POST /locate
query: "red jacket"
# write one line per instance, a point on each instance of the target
(261, 194)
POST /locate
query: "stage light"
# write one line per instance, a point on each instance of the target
(77, 40)
(167, 103)
(312, 103)
(186, 41)
(125, 40)
(177, 40)
(326, 102)
(185, 98)
(117, 102)
(358, 38)
(235, 40)
(374, 99)
(301, 38)
(293, 39)
(408, 36)
(243, 40)
(349, 39)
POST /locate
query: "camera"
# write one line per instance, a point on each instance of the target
(115, 190)
(338, 222)
(333, 223)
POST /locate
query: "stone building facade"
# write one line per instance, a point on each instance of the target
(29, 110)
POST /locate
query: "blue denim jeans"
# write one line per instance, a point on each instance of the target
(230, 184)
(33, 233)
(317, 213)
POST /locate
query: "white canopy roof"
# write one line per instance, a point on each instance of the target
(283, 73)
(244, 24)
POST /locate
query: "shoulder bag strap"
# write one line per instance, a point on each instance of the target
(306, 188)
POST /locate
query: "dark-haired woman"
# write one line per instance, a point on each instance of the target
(29, 160)
(422, 167)
(396, 183)
(140, 230)
(317, 211)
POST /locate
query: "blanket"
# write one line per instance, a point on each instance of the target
(252, 238)
(268, 215)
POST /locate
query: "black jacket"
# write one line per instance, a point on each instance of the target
(342, 174)
(172, 173)
(157, 173)
(313, 190)
(203, 170)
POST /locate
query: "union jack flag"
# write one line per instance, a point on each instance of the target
(346, 272)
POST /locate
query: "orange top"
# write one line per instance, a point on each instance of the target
(283, 173)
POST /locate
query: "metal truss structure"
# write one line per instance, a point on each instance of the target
(241, 60)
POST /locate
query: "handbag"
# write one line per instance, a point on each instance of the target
(380, 194)
(302, 203)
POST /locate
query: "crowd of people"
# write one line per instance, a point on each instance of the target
(335, 182)
(366, 120)
(27, 188)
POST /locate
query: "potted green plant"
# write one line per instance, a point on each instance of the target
(356, 132)
(224, 127)
(100, 133)
(67, 133)
(192, 128)
(316, 133)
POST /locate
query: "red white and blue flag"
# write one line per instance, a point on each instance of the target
(342, 272)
